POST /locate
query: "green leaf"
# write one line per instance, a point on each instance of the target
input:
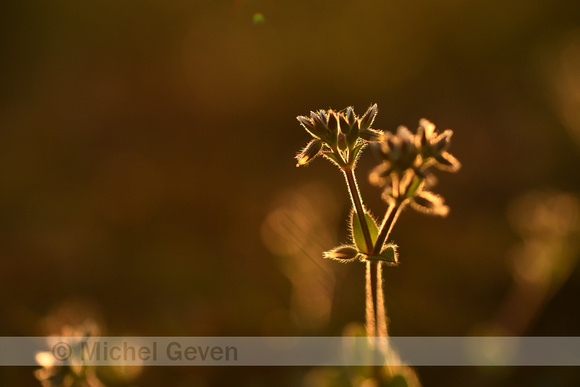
(389, 254)
(357, 233)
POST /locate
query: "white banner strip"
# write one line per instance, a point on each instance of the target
(290, 351)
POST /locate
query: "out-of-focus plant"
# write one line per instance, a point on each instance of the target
(404, 174)
(51, 375)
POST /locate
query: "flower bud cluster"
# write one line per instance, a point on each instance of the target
(406, 160)
(338, 135)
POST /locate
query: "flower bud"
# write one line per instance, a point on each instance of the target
(333, 124)
(380, 174)
(389, 144)
(309, 152)
(367, 120)
(429, 203)
(323, 117)
(422, 141)
(371, 135)
(343, 123)
(428, 127)
(308, 124)
(447, 162)
(353, 134)
(350, 116)
(319, 124)
(342, 254)
(442, 142)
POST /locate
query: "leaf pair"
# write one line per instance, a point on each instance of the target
(347, 254)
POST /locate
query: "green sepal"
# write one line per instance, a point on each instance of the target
(357, 233)
(353, 135)
(334, 158)
(414, 186)
(354, 153)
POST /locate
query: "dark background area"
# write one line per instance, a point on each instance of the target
(146, 148)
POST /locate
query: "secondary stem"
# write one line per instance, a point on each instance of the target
(358, 206)
(389, 221)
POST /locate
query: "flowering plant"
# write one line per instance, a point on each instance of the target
(404, 174)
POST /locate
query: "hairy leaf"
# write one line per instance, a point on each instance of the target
(357, 232)
(389, 255)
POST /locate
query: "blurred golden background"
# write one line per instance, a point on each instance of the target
(147, 179)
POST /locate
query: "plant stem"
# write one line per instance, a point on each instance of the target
(358, 206)
(371, 316)
(370, 304)
(370, 290)
(389, 221)
(381, 312)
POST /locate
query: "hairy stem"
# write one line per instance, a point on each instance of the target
(370, 301)
(389, 221)
(370, 290)
(358, 205)
(381, 312)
